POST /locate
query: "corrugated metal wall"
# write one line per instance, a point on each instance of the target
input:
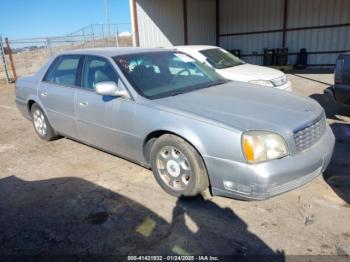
(250, 15)
(160, 23)
(316, 13)
(237, 16)
(201, 21)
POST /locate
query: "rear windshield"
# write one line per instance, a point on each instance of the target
(220, 58)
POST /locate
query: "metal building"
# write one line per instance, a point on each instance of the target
(320, 26)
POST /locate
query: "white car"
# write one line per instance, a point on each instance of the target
(232, 68)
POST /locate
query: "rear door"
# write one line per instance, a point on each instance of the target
(57, 93)
(342, 80)
(103, 121)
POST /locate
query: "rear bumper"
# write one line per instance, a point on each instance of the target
(268, 179)
(22, 107)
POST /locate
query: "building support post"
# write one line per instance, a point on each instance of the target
(285, 20)
(184, 7)
(11, 60)
(217, 21)
(135, 23)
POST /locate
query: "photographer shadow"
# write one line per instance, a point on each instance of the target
(72, 216)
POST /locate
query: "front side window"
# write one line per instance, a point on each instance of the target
(220, 58)
(64, 71)
(165, 73)
(97, 70)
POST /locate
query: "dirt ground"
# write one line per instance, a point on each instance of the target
(65, 198)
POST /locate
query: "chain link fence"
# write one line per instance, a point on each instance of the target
(29, 54)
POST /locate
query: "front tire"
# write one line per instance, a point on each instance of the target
(178, 167)
(41, 124)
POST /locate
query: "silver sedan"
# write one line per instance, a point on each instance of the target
(166, 111)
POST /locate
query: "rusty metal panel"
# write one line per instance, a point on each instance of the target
(201, 17)
(160, 23)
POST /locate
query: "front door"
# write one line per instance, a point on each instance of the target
(101, 120)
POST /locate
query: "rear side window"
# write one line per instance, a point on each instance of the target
(64, 71)
(97, 70)
(346, 70)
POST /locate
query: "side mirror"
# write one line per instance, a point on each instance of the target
(110, 88)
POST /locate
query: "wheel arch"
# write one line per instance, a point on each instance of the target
(152, 136)
(30, 102)
(193, 141)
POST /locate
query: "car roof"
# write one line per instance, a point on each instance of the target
(196, 47)
(113, 51)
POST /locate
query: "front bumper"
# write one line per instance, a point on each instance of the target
(265, 180)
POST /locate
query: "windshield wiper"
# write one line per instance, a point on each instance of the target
(217, 83)
(178, 93)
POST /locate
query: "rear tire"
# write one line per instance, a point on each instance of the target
(41, 124)
(178, 167)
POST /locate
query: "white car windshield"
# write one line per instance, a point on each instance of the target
(166, 73)
(220, 58)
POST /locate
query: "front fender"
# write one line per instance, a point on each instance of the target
(209, 139)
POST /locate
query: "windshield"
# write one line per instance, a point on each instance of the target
(220, 58)
(166, 73)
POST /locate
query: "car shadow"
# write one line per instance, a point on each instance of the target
(337, 174)
(332, 109)
(72, 216)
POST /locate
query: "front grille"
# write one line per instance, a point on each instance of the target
(280, 80)
(309, 135)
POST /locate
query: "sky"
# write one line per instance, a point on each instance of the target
(41, 18)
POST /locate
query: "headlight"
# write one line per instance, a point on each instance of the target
(262, 82)
(280, 80)
(260, 146)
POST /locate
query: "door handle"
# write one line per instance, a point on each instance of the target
(44, 94)
(83, 103)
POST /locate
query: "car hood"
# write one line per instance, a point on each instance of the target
(244, 106)
(248, 72)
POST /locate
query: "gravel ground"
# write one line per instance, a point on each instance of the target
(63, 197)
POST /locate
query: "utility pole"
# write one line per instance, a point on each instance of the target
(108, 16)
